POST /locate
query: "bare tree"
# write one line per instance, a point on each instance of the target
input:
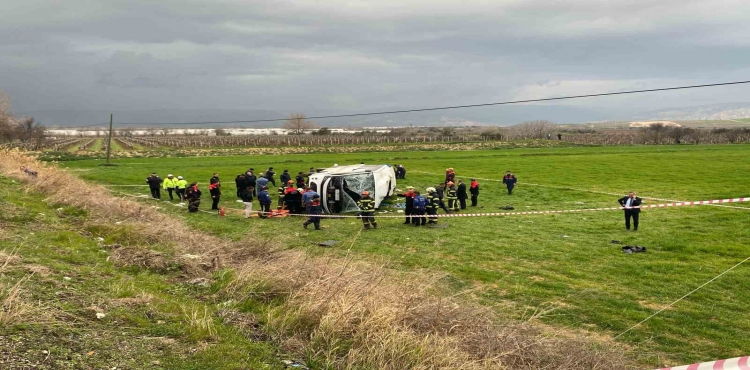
(297, 123)
(532, 130)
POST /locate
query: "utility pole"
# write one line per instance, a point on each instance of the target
(109, 139)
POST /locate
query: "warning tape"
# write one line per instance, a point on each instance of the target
(737, 363)
(586, 190)
(520, 213)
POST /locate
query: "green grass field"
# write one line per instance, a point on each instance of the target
(522, 263)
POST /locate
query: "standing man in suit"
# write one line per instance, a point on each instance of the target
(627, 202)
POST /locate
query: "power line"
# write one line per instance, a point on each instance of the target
(446, 107)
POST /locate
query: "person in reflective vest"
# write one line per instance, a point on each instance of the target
(170, 184)
(281, 191)
(452, 197)
(181, 186)
(366, 206)
(433, 203)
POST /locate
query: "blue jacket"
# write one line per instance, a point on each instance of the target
(261, 182)
(308, 196)
(264, 198)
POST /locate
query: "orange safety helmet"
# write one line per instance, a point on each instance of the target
(290, 182)
(365, 193)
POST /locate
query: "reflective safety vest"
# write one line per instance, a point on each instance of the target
(281, 191)
(451, 193)
(432, 201)
(169, 183)
(181, 184)
(366, 204)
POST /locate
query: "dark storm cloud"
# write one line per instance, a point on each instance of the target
(355, 55)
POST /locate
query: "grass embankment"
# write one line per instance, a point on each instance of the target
(336, 312)
(518, 264)
(71, 300)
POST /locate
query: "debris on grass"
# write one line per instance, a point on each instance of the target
(328, 243)
(630, 249)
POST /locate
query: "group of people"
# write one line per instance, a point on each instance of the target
(179, 187)
(296, 196)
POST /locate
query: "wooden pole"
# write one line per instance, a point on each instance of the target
(109, 139)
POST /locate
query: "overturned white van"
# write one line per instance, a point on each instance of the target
(340, 187)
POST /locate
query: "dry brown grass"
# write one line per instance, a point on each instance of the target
(348, 314)
(14, 308)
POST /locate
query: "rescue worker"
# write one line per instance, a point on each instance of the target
(307, 196)
(215, 190)
(474, 190)
(154, 184)
(293, 200)
(441, 195)
(433, 203)
(314, 210)
(265, 202)
(270, 174)
(461, 194)
(300, 178)
(450, 175)
(510, 181)
(285, 177)
(420, 205)
(247, 200)
(170, 184)
(281, 191)
(193, 196)
(452, 196)
(239, 183)
(181, 186)
(409, 205)
(366, 206)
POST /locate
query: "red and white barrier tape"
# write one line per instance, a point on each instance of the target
(521, 213)
(738, 363)
(585, 190)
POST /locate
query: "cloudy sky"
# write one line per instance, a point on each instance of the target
(365, 55)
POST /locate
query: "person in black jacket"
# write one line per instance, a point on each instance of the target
(300, 179)
(293, 201)
(461, 194)
(250, 180)
(440, 191)
(154, 183)
(285, 177)
(247, 200)
(409, 206)
(239, 182)
(270, 174)
(215, 190)
(627, 202)
(474, 190)
(193, 196)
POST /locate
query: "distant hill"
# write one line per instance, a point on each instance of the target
(728, 111)
(498, 115)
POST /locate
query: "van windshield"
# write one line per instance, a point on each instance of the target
(351, 188)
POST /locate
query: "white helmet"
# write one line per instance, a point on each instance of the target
(431, 190)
